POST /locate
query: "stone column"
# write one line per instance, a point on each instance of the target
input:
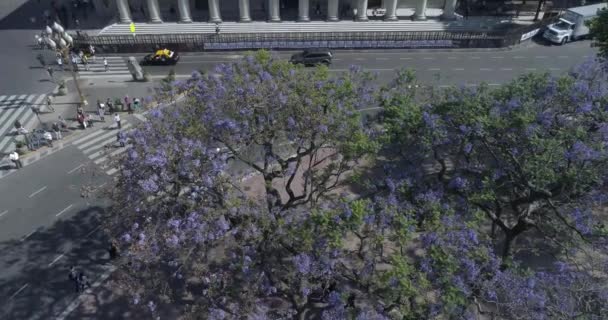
(244, 11)
(332, 10)
(123, 11)
(361, 10)
(154, 12)
(449, 10)
(420, 10)
(275, 11)
(391, 10)
(184, 11)
(214, 11)
(303, 11)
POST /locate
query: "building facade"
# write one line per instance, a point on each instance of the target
(217, 11)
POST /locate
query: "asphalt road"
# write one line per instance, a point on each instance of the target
(45, 227)
(440, 68)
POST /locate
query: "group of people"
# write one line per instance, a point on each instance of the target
(81, 281)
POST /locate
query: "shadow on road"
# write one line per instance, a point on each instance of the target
(34, 282)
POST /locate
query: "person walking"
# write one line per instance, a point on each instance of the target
(83, 281)
(60, 63)
(49, 138)
(110, 105)
(57, 131)
(113, 250)
(73, 276)
(217, 28)
(51, 73)
(49, 104)
(105, 64)
(85, 62)
(120, 138)
(117, 120)
(101, 110)
(127, 102)
(14, 156)
(62, 124)
(92, 52)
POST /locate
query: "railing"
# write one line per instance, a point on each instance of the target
(293, 40)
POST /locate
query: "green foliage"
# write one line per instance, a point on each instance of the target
(598, 28)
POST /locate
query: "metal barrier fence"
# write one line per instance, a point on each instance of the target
(410, 39)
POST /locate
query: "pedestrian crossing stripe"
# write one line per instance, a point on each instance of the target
(16, 107)
(117, 66)
(94, 145)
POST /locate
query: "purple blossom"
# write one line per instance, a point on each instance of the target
(149, 185)
(126, 238)
(458, 183)
(302, 263)
(305, 291)
(151, 306)
(585, 108)
(468, 148)
(323, 128)
(581, 152)
(173, 241)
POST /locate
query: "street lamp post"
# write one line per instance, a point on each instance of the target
(62, 44)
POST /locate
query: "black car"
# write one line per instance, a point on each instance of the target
(161, 57)
(312, 57)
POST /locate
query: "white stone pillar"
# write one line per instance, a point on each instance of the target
(154, 12)
(244, 11)
(123, 11)
(449, 10)
(361, 10)
(332, 10)
(214, 11)
(391, 10)
(275, 10)
(184, 11)
(420, 10)
(303, 11)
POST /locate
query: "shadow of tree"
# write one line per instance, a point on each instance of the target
(36, 262)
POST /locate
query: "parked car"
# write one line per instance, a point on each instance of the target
(161, 57)
(312, 57)
(572, 25)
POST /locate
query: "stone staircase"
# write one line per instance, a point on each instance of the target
(473, 25)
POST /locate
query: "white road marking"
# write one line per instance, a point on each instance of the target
(56, 259)
(37, 192)
(498, 57)
(102, 185)
(493, 84)
(63, 211)
(434, 69)
(28, 235)
(531, 69)
(359, 59)
(476, 58)
(91, 232)
(541, 57)
(452, 58)
(3, 213)
(485, 69)
(506, 69)
(555, 69)
(428, 58)
(518, 57)
(402, 58)
(80, 166)
(381, 58)
(458, 69)
(563, 57)
(111, 171)
(20, 289)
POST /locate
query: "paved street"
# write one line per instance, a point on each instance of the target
(45, 223)
(432, 67)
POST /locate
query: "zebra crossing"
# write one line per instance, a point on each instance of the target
(13, 108)
(101, 146)
(117, 67)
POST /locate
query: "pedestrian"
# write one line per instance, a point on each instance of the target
(73, 276)
(40, 59)
(127, 102)
(62, 124)
(113, 250)
(14, 156)
(17, 124)
(105, 64)
(51, 72)
(117, 120)
(110, 105)
(83, 281)
(101, 110)
(79, 109)
(81, 120)
(136, 104)
(217, 28)
(57, 131)
(120, 138)
(92, 53)
(87, 119)
(49, 138)
(60, 63)
(85, 62)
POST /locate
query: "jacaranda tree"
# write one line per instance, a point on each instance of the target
(192, 235)
(527, 159)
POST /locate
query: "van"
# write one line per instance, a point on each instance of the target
(572, 24)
